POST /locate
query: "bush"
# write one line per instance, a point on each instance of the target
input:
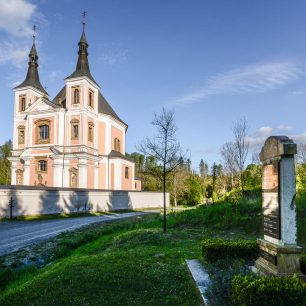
(303, 263)
(217, 249)
(193, 194)
(5, 277)
(268, 291)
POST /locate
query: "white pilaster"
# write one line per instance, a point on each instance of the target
(83, 173)
(13, 173)
(26, 174)
(57, 172)
(66, 174)
(117, 176)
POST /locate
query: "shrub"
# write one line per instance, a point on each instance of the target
(264, 291)
(5, 276)
(303, 263)
(217, 249)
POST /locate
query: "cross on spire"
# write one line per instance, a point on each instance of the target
(84, 14)
(34, 32)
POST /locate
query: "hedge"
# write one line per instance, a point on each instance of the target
(303, 263)
(218, 249)
(268, 291)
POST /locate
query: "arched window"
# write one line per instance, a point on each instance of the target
(42, 166)
(126, 172)
(76, 96)
(90, 99)
(44, 132)
(117, 144)
(22, 104)
(74, 129)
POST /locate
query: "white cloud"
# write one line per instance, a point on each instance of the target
(283, 127)
(114, 56)
(16, 17)
(13, 53)
(297, 93)
(255, 78)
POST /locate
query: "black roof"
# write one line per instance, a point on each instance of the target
(32, 77)
(116, 154)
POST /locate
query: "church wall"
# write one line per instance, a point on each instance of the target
(102, 176)
(47, 177)
(127, 183)
(34, 121)
(101, 138)
(116, 133)
(112, 172)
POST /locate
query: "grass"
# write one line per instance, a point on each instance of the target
(132, 262)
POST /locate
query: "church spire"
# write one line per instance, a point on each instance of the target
(82, 67)
(32, 78)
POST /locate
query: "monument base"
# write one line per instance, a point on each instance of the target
(278, 260)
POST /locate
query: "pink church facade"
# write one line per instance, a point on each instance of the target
(75, 140)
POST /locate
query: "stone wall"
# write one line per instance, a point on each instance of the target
(48, 200)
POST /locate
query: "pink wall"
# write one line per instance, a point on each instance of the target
(101, 138)
(126, 183)
(115, 133)
(138, 185)
(102, 176)
(47, 177)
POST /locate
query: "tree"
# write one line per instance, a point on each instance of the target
(228, 153)
(240, 129)
(5, 165)
(203, 169)
(193, 194)
(165, 148)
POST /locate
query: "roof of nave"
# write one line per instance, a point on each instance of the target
(116, 154)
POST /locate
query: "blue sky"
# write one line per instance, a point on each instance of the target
(213, 62)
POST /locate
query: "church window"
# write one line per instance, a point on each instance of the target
(42, 166)
(76, 96)
(90, 99)
(21, 134)
(22, 104)
(117, 144)
(74, 129)
(90, 131)
(126, 174)
(44, 132)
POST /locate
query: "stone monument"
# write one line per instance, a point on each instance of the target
(279, 254)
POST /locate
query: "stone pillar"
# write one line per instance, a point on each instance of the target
(57, 172)
(13, 173)
(279, 254)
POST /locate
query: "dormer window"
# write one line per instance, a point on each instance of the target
(90, 99)
(117, 144)
(76, 96)
(22, 104)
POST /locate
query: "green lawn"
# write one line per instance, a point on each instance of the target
(132, 262)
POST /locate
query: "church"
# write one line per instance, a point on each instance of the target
(75, 140)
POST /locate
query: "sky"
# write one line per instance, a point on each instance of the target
(211, 61)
